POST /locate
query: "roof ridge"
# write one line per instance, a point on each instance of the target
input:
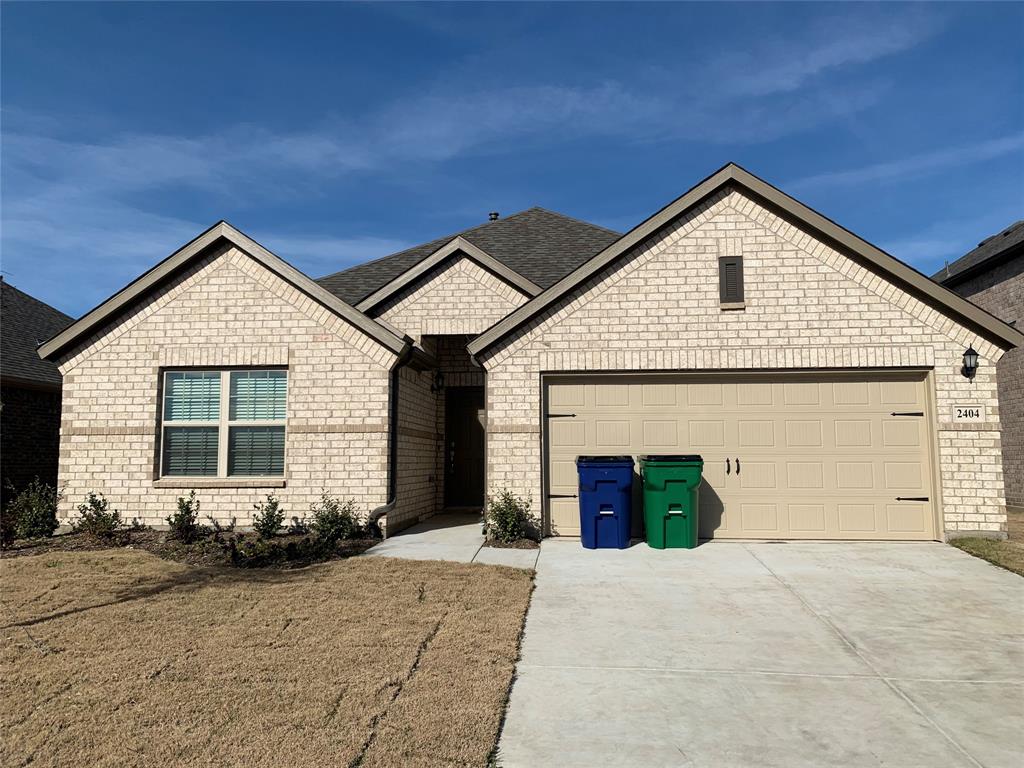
(573, 218)
(443, 239)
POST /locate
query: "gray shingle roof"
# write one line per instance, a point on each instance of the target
(989, 248)
(541, 245)
(25, 322)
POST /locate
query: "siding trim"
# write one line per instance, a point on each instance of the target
(221, 231)
(845, 242)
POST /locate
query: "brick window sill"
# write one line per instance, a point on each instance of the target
(732, 306)
(219, 482)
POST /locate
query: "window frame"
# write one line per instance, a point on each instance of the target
(224, 423)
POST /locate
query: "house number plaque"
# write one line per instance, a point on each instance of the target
(968, 413)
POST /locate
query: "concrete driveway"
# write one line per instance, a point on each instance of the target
(761, 654)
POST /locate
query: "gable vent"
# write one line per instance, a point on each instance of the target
(730, 279)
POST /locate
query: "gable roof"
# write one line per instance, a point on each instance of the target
(990, 252)
(26, 322)
(537, 244)
(458, 246)
(844, 240)
(218, 234)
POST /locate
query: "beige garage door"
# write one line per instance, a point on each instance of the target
(797, 457)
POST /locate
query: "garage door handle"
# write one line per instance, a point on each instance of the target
(561, 415)
(562, 496)
(728, 467)
(907, 413)
(911, 498)
(737, 465)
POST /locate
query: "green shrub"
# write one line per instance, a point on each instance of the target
(508, 518)
(6, 529)
(334, 520)
(184, 523)
(95, 518)
(32, 513)
(268, 518)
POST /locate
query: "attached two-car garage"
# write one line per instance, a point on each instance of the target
(807, 455)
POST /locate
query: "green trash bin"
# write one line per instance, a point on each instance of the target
(670, 488)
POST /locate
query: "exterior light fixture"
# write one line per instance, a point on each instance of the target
(437, 385)
(970, 363)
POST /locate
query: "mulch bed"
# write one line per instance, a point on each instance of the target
(205, 551)
(517, 544)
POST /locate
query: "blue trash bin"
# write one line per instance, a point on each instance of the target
(606, 500)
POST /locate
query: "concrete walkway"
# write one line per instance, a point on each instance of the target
(760, 654)
(452, 536)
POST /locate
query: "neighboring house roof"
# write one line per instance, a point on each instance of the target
(540, 245)
(24, 323)
(844, 240)
(456, 248)
(218, 234)
(990, 252)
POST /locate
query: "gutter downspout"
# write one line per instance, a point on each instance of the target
(403, 359)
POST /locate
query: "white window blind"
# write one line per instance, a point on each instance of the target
(224, 423)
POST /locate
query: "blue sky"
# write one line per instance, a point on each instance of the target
(337, 133)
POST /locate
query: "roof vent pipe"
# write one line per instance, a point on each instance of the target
(493, 215)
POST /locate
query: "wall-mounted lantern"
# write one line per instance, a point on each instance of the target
(970, 363)
(437, 385)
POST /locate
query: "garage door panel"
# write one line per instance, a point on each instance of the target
(906, 517)
(705, 394)
(899, 393)
(566, 433)
(611, 435)
(852, 433)
(803, 433)
(903, 475)
(754, 394)
(706, 434)
(816, 459)
(851, 393)
(661, 434)
(903, 433)
(565, 517)
(806, 518)
(755, 434)
(655, 395)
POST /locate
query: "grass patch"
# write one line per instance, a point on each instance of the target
(119, 658)
(1008, 554)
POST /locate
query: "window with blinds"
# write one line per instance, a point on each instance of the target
(224, 423)
(730, 279)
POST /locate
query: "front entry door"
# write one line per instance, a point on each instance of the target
(464, 447)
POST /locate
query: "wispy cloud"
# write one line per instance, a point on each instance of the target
(950, 238)
(915, 166)
(67, 195)
(841, 42)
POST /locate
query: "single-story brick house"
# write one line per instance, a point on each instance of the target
(29, 391)
(992, 276)
(823, 381)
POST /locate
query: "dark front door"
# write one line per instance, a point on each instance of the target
(464, 447)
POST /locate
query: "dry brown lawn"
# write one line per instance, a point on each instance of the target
(119, 658)
(1008, 554)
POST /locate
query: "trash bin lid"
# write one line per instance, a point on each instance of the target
(691, 458)
(604, 459)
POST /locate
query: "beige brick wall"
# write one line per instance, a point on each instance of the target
(442, 311)
(807, 306)
(459, 297)
(1000, 290)
(418, 452)
(226, 310)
